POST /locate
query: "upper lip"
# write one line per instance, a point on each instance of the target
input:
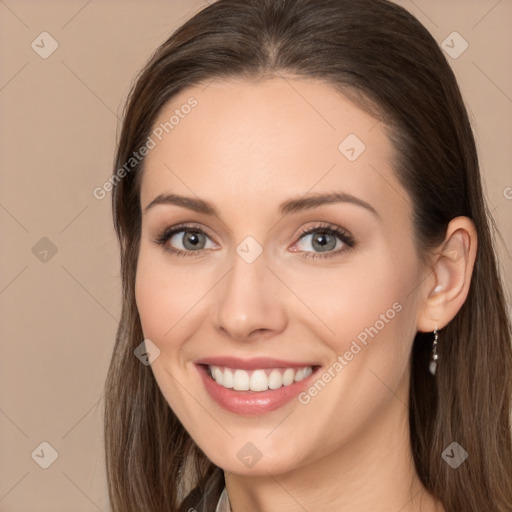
(253, 363)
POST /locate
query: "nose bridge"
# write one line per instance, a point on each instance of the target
(247, 300)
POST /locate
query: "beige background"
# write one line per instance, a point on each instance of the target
(59, 117)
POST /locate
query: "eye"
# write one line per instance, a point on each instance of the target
(327, 239)
(184, 240)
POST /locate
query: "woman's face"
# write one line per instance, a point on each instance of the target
(249, 168)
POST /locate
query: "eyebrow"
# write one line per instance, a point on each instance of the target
(293, 205)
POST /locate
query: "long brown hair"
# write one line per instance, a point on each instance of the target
(383, 59)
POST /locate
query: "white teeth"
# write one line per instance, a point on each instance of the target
(228, 380)
(275, 379)
(288, 376)
(218, 375)
(258, 380)
(240, 380)
(303, 373)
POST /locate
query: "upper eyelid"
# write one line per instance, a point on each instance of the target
(326, 226)
(191, 226)
(186, 227)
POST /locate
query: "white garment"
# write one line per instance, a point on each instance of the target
(223, 503)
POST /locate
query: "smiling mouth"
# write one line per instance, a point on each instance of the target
(258, 380)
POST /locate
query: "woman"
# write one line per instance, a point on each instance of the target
(309, 280)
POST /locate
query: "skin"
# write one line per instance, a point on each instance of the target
(246, 148)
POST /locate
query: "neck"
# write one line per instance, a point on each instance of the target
(370, 473)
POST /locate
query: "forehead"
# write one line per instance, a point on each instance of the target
(266, 140)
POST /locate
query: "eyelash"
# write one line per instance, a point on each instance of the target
(330, 229)
(163, 237)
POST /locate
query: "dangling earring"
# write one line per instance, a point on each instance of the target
(433, 363)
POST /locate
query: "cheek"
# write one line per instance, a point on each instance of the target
(356, 299)
(161, 296)
(151, 299)
(163, 300)
(172, 301)
(370, 309)
(372, 314)
(380, 317)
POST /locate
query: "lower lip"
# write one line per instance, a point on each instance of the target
(252, 403)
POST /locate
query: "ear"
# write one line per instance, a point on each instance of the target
(451, 267)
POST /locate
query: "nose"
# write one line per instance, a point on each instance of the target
(250, 302)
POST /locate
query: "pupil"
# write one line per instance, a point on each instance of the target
(322, 242)
(193, 240)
